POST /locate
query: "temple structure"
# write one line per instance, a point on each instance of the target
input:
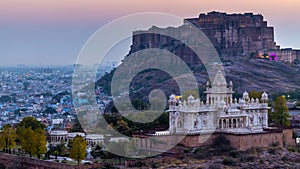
(220, 113)
(195, 123)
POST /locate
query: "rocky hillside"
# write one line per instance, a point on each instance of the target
(263, 75)
(246, 74)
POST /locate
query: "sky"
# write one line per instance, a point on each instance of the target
(52, 32)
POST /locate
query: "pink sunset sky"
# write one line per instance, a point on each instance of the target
(46, 30)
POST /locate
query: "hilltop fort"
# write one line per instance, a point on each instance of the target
(233, 35)
(244, 42)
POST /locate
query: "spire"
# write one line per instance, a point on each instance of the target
(245, 95)
(172, 97)
(264, 97)
(207, 83)
(219, 78)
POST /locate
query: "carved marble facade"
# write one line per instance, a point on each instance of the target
(220, 113)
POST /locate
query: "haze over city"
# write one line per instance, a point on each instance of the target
(53, 32)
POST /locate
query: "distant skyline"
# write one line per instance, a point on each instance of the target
(52, 32)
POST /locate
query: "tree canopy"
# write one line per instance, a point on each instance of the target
(193, 92)
(30, 122)
(255, 94)
(78, 150)
(28, 140)
(281, 112)
(40, 142)
(5, 98)
(76, 127)
(7, 138)
(32, 136)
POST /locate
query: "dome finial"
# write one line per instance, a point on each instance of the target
(219, 66)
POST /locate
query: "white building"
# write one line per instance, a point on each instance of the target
(58, 136)
(62, 136)
(94, 139)
(74, 134)
(220, 113)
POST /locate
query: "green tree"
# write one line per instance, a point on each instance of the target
(26, 85)
(138, 104)
(17, 112)
(281, 112)
(78, 150)
(30, 122)
(41, 142)
(76, 127)
(32, 136)
(59, 149)
(255, 94)
(56, 98)
(28, 140)
(7, 138)
(221, 144)
(193, 92)
(122, 127)
(5, 98)
(97, 151)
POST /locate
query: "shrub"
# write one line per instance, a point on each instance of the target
(222, 144)
(292, 149)
(228, 161)
(154, 165)
(272, 151)
(285, 158)
(140, 164)
(234, 154)
(198, 150)
(247, 158)
(186, 150)
(215, 166)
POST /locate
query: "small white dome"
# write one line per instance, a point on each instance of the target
(172, 97)
(264, 96)
(257, 100)
(191, 97)
(245, 95)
